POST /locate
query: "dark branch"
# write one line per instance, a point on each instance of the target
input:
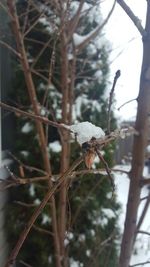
(132, 16)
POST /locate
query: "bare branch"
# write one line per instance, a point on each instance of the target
(117, 75)
(32, 116)
(96, 31)
(74, 21)
(145, 181)
(37, 212)
(140, 264)
(107, 169)
(10, 48)
(5, 184)
(132, 16)
(142, 216)
(129, 101)
(42, 230)
(143, 232)
(24, 263)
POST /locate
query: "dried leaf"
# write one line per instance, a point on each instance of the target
(89, 159)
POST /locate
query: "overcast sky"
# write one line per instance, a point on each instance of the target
(125, 38)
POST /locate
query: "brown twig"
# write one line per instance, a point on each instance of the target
(24, 263)
(127, 102)
(10, 48)
(32, 116)
(143, 232)
(117, 75)
(35, 105)
(145, 181)
(107, 169)
(41, 230)
(37, 212)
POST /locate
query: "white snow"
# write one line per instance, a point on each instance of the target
(91, 50)
(142, 245)
(32, 190)
(98, 75)
(108, 213)
(27, 128)
(45, 219)
(55, 146)
(84, 131)
(78, 39)
(148, 149)
(24, 153)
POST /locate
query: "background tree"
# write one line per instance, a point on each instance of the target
(61, 63)
(137, 180)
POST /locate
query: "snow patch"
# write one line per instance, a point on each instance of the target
(45, 219)
(55, 146)
(148, 149)
(27, 128)
(84, 131)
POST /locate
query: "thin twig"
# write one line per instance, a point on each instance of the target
(10, 48)
(107, 169)
(117, 75)
(145, 181)
(140, 264)
(26, 205)
(32, 116)
(41, 230)
(127, 102)
(143, 214)
(37, 212)
(24, 263)
(143, 232)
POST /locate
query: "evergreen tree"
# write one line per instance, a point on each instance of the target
(91, 215)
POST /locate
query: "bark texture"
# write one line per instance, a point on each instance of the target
(138, 156)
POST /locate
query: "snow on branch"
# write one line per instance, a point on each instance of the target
(81, 41)
(83, 131)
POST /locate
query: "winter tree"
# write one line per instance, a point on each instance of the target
(60, 79)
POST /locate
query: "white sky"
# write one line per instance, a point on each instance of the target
(120, 31)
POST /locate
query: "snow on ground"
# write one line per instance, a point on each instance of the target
(142, 246)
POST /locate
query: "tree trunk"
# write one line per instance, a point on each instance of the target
(138, 156)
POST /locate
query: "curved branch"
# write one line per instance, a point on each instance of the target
(132, 16)
(95, 32)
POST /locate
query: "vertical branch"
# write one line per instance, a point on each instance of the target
(138, 154)
(117, 75)
(34, 102)
(65, 135)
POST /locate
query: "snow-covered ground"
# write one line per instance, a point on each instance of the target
(142, 246)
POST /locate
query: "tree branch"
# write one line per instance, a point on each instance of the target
(117, 75)
(37, 212)
(32, 116)
(132, 16)
(143, 232)
(96, 31)
(10, 48)
(74, 21)
(140, 264)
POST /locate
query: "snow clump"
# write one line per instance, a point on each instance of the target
(84, 131)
